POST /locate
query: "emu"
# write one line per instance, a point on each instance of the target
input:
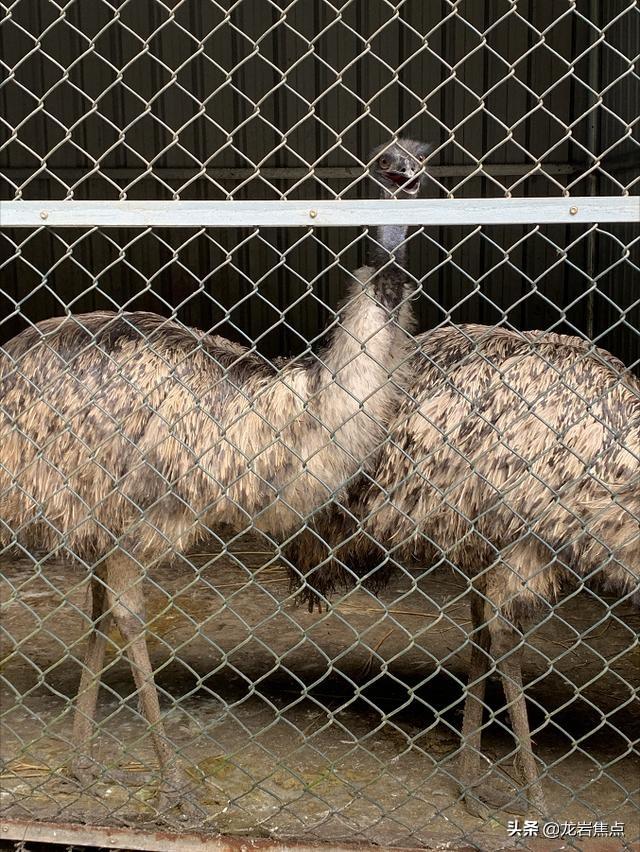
(516, 458)
(125, 437)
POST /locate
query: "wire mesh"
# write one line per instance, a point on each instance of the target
(345, 719)
(283, 100)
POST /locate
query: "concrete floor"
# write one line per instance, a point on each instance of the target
(341, 725)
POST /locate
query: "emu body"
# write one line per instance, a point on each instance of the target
(130, 431)
(532, 459)
(516, 458)
(124, 437)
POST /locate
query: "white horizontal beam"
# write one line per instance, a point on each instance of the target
(278, 214)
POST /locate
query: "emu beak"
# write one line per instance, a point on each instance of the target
(413, 187)
(409, 184)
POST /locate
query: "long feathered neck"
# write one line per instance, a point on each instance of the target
(370, 312)
(389, 242)
(362, 367)
(388, 255)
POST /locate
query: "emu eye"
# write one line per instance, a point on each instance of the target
(384, 162)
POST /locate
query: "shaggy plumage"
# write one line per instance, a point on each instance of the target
(527, 458)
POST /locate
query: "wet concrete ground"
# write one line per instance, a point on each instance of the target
(341, 725)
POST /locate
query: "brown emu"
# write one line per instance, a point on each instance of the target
(123, 437)
(516, 457)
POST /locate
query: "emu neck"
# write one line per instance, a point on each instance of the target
(389, 255)
(388, 241)
(392, 238)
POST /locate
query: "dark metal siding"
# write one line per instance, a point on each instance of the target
(316, 86)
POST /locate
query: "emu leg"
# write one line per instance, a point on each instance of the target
(82, 765)
(480, 794)
(504, 639)
(124, 590)
(469, 761)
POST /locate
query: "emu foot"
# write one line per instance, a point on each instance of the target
(485, 798)
(87, 771)
(176, 799)
(84, 770)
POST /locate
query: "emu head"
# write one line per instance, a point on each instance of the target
(398, 167)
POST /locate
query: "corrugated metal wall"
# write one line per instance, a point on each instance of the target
(148, 103)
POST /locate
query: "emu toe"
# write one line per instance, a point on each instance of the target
(176, 800)
(85, 770)
(482, 800)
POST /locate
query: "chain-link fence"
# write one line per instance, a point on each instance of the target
(446, 469)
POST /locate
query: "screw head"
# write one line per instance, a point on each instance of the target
(44, 214)
(313, 213)
(573, 210)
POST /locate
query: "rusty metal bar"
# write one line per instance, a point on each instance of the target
(142, 840)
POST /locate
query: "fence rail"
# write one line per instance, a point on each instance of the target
(275, 214)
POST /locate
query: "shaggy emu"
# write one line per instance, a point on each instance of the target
(124, 437)
(515, 457)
